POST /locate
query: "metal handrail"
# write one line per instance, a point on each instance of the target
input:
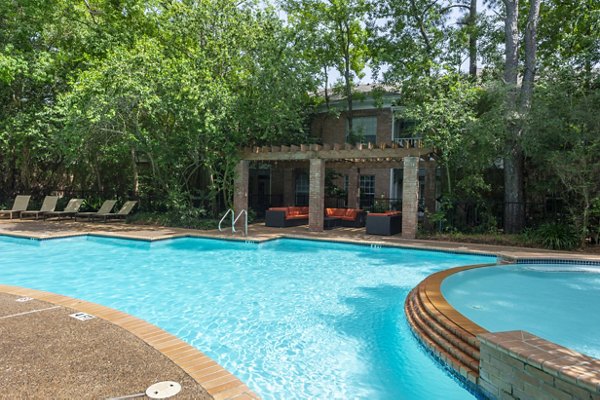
(245, 213)
(232, 220)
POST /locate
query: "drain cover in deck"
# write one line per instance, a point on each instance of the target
(82, 316)
(163, 390)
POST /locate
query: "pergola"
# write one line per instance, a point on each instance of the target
(405, 153)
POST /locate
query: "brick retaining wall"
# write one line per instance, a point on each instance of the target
(519, 365)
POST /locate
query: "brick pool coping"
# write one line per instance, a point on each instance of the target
(221, 383)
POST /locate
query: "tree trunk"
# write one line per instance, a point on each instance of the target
(530, 56)
(347, 76)
(136, 179)
(473, 39)
(514, 208)
(349, 94)
(514, 198)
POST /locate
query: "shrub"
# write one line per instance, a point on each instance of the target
(557, 236)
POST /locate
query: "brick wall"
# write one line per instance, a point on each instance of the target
(332, 129)
(519, 365)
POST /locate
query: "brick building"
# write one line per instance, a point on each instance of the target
(373, 186)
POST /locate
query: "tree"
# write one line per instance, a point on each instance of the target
(563, 139)
(518, 103)
(344, 38)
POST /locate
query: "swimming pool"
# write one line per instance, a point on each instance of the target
(558, 302)
(293, 319)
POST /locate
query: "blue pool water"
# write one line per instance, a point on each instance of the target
(559, 302)
(293, 319)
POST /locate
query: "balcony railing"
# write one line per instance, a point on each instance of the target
(409, 142)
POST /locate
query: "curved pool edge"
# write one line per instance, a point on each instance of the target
(507, 365)
(216, 380)
(448, 334)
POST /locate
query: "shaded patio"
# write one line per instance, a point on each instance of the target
(318, 157)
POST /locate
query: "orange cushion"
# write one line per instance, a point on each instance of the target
(351, 213)
(278, 209)
(299, 216)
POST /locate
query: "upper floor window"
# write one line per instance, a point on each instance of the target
(404, 128)
(364, 130)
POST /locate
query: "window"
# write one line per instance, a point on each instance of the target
(302, 189)
(367, 191)
(364, 130)
(404, 128)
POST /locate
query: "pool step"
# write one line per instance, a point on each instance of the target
(441, 341)
(444, 331)
(443, 347)
(463, 339)
(457, 344)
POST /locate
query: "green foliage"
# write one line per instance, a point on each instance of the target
(144, 96)
(190, 219)
(557, 236)
(448, 112)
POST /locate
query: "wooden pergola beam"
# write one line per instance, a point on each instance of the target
(297, 154)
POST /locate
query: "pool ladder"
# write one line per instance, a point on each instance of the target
(235, 219)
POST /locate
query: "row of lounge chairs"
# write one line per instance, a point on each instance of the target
(71, 210)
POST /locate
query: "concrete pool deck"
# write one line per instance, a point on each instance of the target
(31, 344)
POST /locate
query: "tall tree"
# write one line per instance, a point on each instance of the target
(518, 103)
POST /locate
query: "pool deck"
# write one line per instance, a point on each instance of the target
(46, 353)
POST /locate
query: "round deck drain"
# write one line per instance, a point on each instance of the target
(163, 390)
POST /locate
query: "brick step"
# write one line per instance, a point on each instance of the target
(444, 339)
(458, 337)
(457, 365)
(448, 324)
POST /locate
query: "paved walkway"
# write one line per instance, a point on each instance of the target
(47, 354)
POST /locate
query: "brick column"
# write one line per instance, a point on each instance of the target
(288, 187)
(410, 197)
(353, 188)
(316, 195)
(429, 192)
(240, 195)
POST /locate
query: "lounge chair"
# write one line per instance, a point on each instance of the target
(70, 210)
(121, 214)
(48, 205)
(20, 204)
(106, 208)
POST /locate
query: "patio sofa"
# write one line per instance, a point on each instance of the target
(387, 223)
(349, 217)
(283, 217)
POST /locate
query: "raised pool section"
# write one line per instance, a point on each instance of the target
(559, 302)
(513, 363)
(291, 318)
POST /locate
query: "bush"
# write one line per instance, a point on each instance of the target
(192, 219)
(557, 236)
